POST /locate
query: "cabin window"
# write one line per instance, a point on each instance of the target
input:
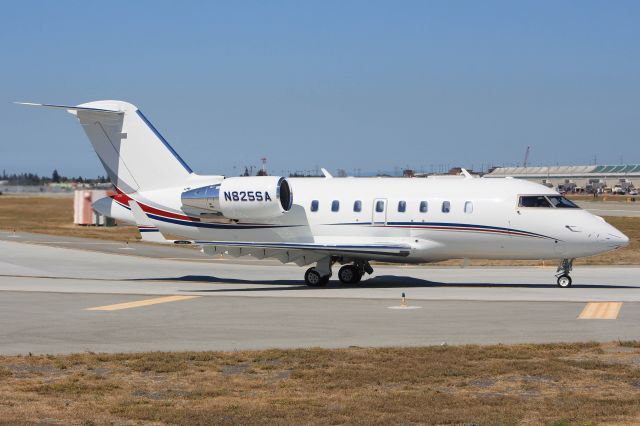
(534, 201)
(468, 207)
(424, 207)
(379, 206)
(446, 206)
(314, 206)
(357, 206)
(335, 205)
(402, 206)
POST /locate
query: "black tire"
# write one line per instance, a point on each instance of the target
(349, 274)
(313, 279)
(564, 281)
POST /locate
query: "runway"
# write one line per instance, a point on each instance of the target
(611, 208)
(56, 299)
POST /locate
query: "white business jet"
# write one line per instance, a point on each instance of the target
(326, 220)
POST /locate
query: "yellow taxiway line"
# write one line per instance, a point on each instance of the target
(139, 303)
(603, 310)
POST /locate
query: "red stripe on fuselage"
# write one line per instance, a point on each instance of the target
(124, 199)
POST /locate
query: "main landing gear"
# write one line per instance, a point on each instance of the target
(565, 267)
(352, 274)
(348, 274)
(313, 278)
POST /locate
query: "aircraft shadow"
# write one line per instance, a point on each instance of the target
(384, 281)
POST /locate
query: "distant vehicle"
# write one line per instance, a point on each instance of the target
(632, 192)
(618, 190)
(348, 221)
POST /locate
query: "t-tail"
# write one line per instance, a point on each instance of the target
(134, 154)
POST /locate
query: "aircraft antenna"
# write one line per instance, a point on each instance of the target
(526, 156)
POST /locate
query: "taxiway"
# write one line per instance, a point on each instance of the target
(60, 295)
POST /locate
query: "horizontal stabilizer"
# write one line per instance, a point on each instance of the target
(70, 108)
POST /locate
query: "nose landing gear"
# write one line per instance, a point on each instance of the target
(565, 267)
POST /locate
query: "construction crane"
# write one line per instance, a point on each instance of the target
(526, 156)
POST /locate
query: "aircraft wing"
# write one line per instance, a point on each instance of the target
(300, 253)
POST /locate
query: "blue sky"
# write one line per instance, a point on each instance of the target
(341, 84)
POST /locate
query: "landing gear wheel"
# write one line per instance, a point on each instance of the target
(313, 278)
(564, 281)
(349, 274)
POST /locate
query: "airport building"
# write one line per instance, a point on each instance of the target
(594, 178)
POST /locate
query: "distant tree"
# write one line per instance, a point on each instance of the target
(342, 173)
(55, 177)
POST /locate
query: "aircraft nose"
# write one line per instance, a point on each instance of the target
(613, 237)
(624, 240)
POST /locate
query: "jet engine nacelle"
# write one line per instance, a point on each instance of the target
(259, 197)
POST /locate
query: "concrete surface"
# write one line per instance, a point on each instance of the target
(45, 291)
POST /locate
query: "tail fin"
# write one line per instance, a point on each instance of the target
(134, 154)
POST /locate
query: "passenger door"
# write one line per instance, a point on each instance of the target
(379, 215)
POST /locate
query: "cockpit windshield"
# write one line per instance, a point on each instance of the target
(561, 202)
(549, 201)
(534, 201)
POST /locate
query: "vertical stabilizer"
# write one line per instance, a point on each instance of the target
(134, 154)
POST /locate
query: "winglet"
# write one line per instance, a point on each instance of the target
(465, 173)
(148, 231)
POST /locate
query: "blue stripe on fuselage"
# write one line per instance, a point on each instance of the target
(215, 225)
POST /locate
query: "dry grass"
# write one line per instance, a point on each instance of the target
(629, 255)
(50, 215)
(54, 216)
(521, 384)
